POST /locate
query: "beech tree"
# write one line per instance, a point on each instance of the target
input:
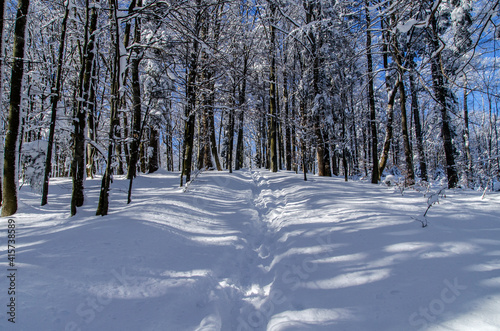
(10, 181)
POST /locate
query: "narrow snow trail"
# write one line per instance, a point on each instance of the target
(254, 250)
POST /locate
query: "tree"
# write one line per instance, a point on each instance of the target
(371, 97)
(191, 95)
(103, 205)
(9, 192)
(441, 93)
(272, 90)
(55, 97)
(2, 14)
(80, 115)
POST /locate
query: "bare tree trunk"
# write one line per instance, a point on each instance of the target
(136, 99)
(466, 139)
(371, 98)
(153, 164)
(344, 145)
(241, 101)
(438, 82)
(211, 100)
(410, 175)
(294, 138)
(56, 90)
(303, 143)
(9, 192)
(189, 114)
(204, 153)
(213, 142)
(418, 126)
(272, 95)
(2, 14)
(78, 163)
(287, 123)
(230, 136)
(103, 205)
(92, 126)
(258, 145)
(389, 129)
(321, 144)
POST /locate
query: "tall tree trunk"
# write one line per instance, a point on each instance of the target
(389, 128)
(212, 155)
(440, 91)
(230, 136)
(258, 145)
(468, 155)
(344, 144)
(294, 138)
(2, 14)
(153, 164)
(241, 101)
(418, 125)
(54, 99)
(410, 175)
(137, 125)
(204, 152)
(213, 142)
(204, 157)
(272, 94)
(103, 205)
(287, 123)
(239, 159)
(279, 134)
(78, 163)
(9, 192)
(189, 113)
(92, 126)
(124, 145)
(303, 142)
(136, 99)
(371, 98)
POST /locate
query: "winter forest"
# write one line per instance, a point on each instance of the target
(270, 165)
(357, 89)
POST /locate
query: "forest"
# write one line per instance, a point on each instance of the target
(353, 88)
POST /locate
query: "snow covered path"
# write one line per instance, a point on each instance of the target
(255, 250)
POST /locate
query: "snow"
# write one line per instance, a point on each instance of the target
(404, 28)
(255, 250)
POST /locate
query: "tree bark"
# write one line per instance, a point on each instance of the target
(440, 91)
(230, 136)
(54, 99)
(136, 99)
(189, 113)
(388, 129)
(103, 205)
(468, 155)
(2, 14)
(78, 163)
(288, 121)
(9, 192)
(410, 175)
(418, 125)
(241, 101)
(371, 98)
(153, 164)
(272, 95)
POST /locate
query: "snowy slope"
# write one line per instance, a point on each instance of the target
(255, 250)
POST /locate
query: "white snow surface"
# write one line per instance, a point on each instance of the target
(254, 250)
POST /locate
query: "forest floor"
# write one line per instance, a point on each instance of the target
(254, 250)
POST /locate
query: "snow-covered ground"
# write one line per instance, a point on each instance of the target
(254, 250)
